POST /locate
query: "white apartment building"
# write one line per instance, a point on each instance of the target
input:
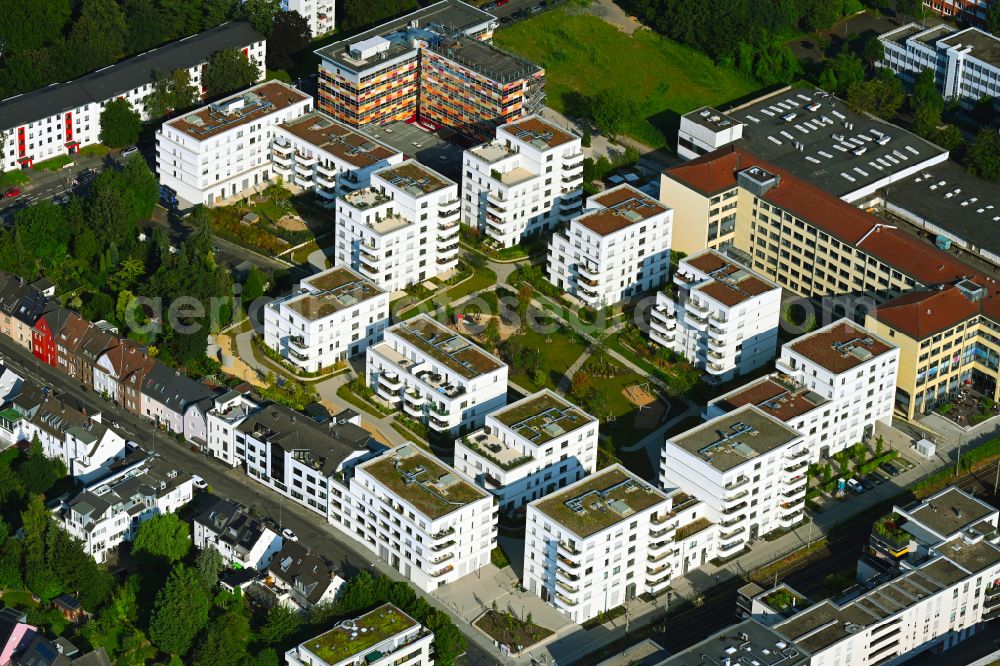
(402, 229)
(317, 153)
(705, 130)
(420, 516)
(110, 511)
(385, 636)
(723, 317)
(320, 14)
(529, 449)
(297, 457)
(831, 385)
(436, 375)
(747, 467)
(64, 117)
(597, 543)
(966, 63)
(223, 149)
(618, 247)
(86, 446)
(333, 316)
(228, 412)
(527, 181)
(243, 541)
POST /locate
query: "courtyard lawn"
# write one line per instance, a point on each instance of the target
(556, 356)
(53, 164)
(583, 55)
(11, 178)
(96, 150)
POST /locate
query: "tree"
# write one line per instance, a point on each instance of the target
(253, 286)
(847, 70)
(984, 155)
(290, 35)
(209, 564)
(215, 12)
(367, 13)
(120, 124)
(881, 96)
(98, 35)
(225, 642)
(148, 25)
(448, 641)
(180, 611)
(872, 51)
(228, 71)
(909, 8)
(266, 657)
(984, 112)
(585, 141)
(37, 472)
(261, 14)
(613, 111)
(993, 19)
(162, 539)
(28, 25)
(491, 334)
(281, 624)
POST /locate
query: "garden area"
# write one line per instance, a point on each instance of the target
(470, 276)
(587, 60)
(505, 628)
(269, 222)
(854, 461)
(969, 408)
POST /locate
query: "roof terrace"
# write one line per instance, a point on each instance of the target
(359, 635)
(735, 438)
(777, 395)
(542, 416)
(446, 347)
(345, 143)
(840, 347)
(621, 207)
(241, 109)
(414, 178)
(538, 133)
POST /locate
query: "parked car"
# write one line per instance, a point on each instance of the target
(288, 534)
(866, 483)
(501, 3)
(536, 9)
(11, 193)
(199, 482)
(889, 469)
(855, 486)
(488, 6)
(131, 150)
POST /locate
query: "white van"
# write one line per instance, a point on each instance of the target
(855, 487)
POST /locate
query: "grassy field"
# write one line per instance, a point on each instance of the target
(557, 356)
(53, 164)
(583, 55)
(11, 178)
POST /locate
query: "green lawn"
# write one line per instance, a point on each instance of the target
(96, 150)
(482, 278)
(557, 356)
(11, 178)
(53, 164)
(583, 55)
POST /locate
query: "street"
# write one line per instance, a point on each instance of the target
(312, 530)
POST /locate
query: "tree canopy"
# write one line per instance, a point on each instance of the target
(162, 539)
(120, 124)
(984, 155)
(228, 71)
(290, 35)
(181, 611)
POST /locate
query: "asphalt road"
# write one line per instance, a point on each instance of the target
(312, 530)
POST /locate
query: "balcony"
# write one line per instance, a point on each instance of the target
(716, 355)
(729, 547)
(325, 181)
(298, 342)
(658, 545)
(735, 496)
(782, 365)
(715, 330)
(298, 355)
(793, 481)
(567, 587)
(442, 558)
(658, 557)
(563, 599)
(449, 251)
(715, 344)
(282, 160)
(787, 520)
(442, 546)
(366, 253)
(573, 162)
(451, 212)
(737, 482)
(653, 571)
(657, 533)
(327, 170)
(797, 465)
(569, 577)
(448, 531)
(589, 271)
(569, 548)
(442, 571)
(726, 536)
(733, 509)
(692, 305)
(568, 562)
(307, 160)
(795, 455)
(304, 169)
(715, 368)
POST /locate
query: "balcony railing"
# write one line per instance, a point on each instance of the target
(736, 483)
(568, 562)
(568, 547)
(564, 599)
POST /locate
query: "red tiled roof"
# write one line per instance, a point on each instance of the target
(921, 313)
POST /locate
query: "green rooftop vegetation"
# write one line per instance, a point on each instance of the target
(782, 599)
(542, 417)
(353, 637)
(428, 486)
(692, 528)
(447, 347)
(889, 527)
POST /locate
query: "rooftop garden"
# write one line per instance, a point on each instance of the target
(783, 599)
(889, 527)
(428, 495)
(506, 466)
(356, 636)
(588, 520)
(692, 528)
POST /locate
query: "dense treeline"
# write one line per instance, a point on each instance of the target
(46, 41)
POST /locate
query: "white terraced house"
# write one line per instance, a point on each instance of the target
(831, 385)
(317, 153)
(723, 317)
(420, 516)
(385, 636)
(401, 230)
(227, 413)
(333, 316)
(62, 118)
(527, 181)
(618, 247)
(222, 150)
(529, 449)
(595, 544)
(748, 468)
(435, 375)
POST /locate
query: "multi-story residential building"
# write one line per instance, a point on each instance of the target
(321, 14)
(966, 63)
(597, 543)
(85, 445)
(302, 579)
(297, 457)
(110, 511)
(748, 640)
(227, 413)
(245, 542)
(436, 375)
(436, 65)
(333, 316)
(176, 403)
(524, 182)
(748, 468)
(529, 449)
(120, 372)
(46, 329)
(420, 516)
(21, 304)
(382, 637)
(374, 77)
(223, 149)
(618, 247)
(84, 350)
(948, 339)
(318, 153)
(722, 316)
(64, 117)
(832, 386)
(402, 229)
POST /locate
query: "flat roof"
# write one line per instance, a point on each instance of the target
(973, 557)
(732, 439)
(730, 646)
(126, 75)
(985, 46)
(711, 118)
(414, 178)
(841, 346)
(538, 132)
(599, 501)
(947, 196)
(335, 289)
(821, 146)
(484, 59)
(729, 282)
(446, 15)
(345, 143)
(237, 110)
(542, 416)
(621, 207)
(428, 485)
(774, 396)
(447, 347)
(950, 511)
(358, 635)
